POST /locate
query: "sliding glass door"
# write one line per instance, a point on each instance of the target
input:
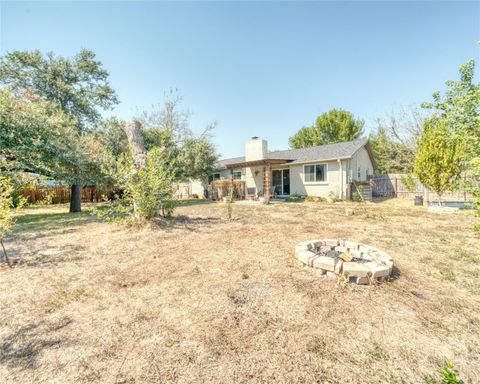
(281, 181)
(286, 181)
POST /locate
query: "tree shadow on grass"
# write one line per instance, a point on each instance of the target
(190, 202)
(21, 349)
(46, 221)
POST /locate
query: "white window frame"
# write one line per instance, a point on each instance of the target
(315, 173)
(237, 171)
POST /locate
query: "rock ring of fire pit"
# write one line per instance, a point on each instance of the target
(367, 264)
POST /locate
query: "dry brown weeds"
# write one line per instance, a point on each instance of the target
(209, 300)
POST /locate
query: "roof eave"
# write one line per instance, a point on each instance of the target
(254, 163)
(321, 160)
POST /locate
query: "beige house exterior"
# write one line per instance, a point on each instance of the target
(326, 170)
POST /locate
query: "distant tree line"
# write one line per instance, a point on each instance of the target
(393, 141)
(439, 143)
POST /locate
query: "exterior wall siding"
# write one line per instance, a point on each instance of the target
(322, 189)
(337, 180)
(252, 181)
(361, 163)
(197, 188)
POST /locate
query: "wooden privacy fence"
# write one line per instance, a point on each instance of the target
(392, 185)
(59, 194)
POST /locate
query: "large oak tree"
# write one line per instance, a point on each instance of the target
(78, 86)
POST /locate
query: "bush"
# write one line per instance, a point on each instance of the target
(357, 195)
(116, 210)
(315, 199)
(7, 211)
(148, 191)
(152, 188)
(295, 198)
(450, 375)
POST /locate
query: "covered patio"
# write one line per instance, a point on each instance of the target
(266, 166)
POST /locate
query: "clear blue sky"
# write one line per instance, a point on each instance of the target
(258, 68)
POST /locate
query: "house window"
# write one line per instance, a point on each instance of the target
(213, 177)
(315, 173)
(237, 175)
(358, 173)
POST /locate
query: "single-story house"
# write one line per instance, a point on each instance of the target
(315, 171)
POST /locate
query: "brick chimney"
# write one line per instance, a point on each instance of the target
(256, 149)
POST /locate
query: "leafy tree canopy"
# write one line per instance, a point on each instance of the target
(460, 108)
(79, 86)
(439, 160)
(333, 126)
(33, 134)
(460, 105)
(392, 156)
(37, 136)
(197, 158)
(112, 136)
(167, 126)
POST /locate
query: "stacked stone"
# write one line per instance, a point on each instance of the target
(375, 267)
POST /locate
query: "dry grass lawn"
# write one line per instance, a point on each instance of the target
(203, 299)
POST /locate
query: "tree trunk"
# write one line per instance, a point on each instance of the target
(76, 198)
(137, 146)
(135, 140)
(5, 253)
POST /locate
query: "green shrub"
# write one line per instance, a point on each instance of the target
(116, 210)
(7, 211)
(153, 187)
(47, 199)
(450, 374)
(149, 191)
(295, 198)
(315, 199)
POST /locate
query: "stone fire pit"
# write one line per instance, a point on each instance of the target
(359, 263)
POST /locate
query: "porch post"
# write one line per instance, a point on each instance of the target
(267, 172)
(231, 185)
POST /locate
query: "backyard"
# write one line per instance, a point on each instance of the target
(201, 298)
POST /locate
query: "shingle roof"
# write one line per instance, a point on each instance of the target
(304, 155)
(320, 152)
(224, 162)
